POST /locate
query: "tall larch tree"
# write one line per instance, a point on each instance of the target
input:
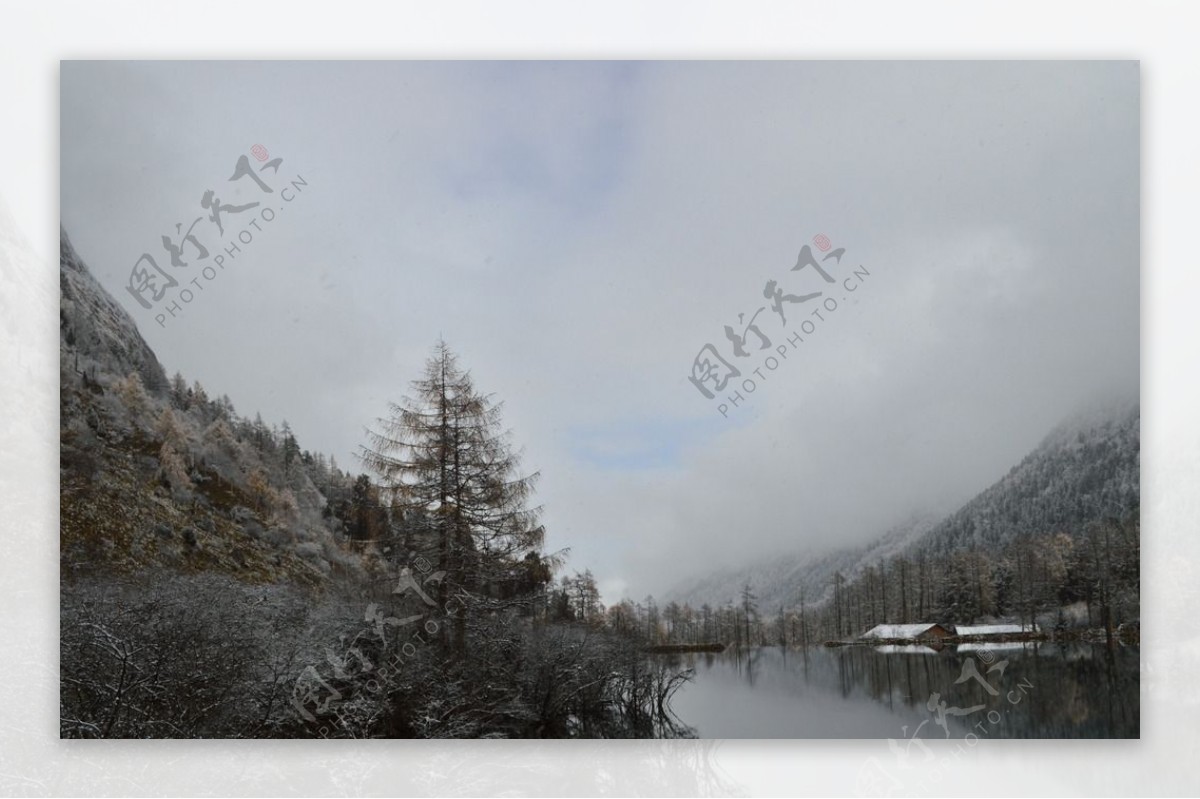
(443, 458)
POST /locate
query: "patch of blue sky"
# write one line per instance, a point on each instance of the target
(646, 444)
(575, 157)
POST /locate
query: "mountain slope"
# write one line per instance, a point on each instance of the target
(93, 325)
(780, 581)
(1085, 470)
(155, 474)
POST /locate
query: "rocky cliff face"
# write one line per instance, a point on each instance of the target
(96, 328)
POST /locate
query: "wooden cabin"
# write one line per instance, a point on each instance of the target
(907, 632)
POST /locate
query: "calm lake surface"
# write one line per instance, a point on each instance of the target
(1003, 691)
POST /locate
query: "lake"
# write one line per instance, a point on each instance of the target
(1031, 690)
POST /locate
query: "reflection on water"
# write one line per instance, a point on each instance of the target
(997, 691)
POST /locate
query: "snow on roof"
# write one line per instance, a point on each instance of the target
(905, 649)
(995, 647)
(996, 629)
(898, 630)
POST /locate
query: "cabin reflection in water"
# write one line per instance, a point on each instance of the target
(1018, 690)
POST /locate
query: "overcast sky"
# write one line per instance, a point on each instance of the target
(579, 231)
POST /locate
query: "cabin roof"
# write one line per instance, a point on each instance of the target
(900, 630)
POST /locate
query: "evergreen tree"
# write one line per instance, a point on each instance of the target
(179, 392)
(441, 454)
(290, 448)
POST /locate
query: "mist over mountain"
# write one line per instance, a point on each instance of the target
(781, 581)
(1086, 470)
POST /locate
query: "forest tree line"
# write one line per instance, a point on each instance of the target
(432, 615)
(1059, 582)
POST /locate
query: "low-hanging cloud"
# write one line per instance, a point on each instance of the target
(578, 231)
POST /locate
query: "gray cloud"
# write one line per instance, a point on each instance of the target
(578, 231)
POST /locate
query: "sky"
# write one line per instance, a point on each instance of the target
(579, 232)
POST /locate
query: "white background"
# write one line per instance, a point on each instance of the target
(34, 37)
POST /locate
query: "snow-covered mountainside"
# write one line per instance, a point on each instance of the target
(156, 474)
(781, 581)
(94, 326)
(1085, 470)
